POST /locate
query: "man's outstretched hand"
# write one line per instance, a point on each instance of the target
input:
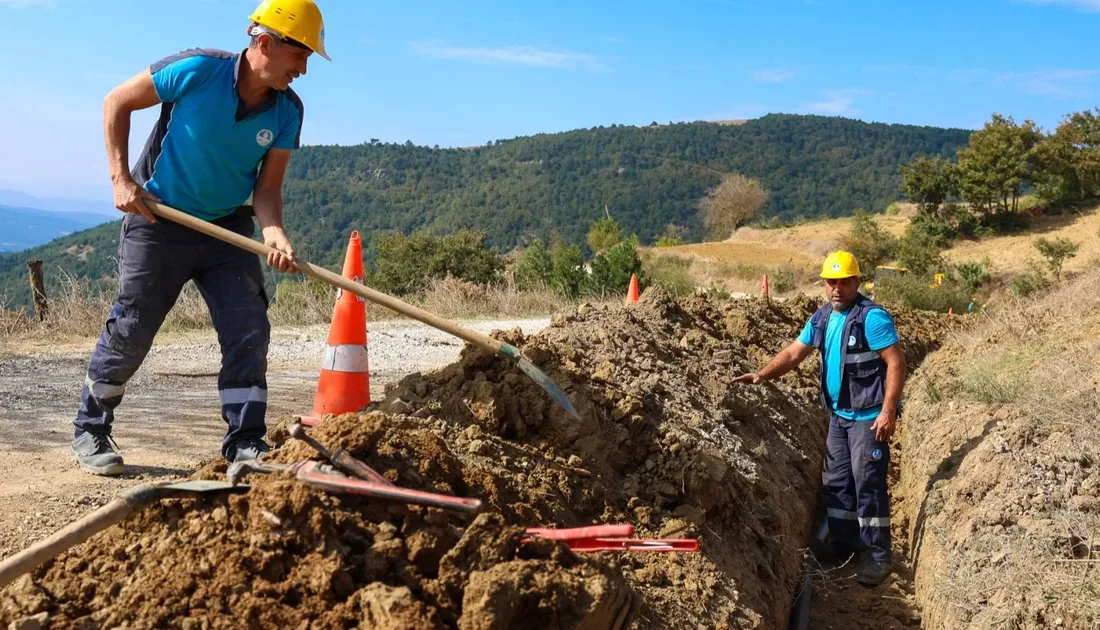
(752, 378)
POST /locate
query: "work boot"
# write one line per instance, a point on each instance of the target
(873, 572)
(95, 452)
(248, 449)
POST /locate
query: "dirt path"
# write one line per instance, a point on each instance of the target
(167, 426)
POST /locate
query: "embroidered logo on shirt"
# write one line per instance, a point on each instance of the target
(264, 137)
(876, 454)
(851, 341)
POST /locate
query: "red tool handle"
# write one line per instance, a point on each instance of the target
(309, 473)
(634, 544)
(576, 533)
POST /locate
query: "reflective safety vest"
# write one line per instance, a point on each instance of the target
(863, 372)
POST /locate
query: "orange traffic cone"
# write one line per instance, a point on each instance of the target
(344, 384)
(632, 293)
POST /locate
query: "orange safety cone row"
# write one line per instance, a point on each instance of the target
(632, 293)
(344, 383)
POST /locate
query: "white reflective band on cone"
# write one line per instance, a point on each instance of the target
(357, 280)
(241, 395)
(346, 358)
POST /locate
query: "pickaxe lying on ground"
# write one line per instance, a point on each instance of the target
(363, 480)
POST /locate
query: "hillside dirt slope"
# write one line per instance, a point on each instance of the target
(999, 488)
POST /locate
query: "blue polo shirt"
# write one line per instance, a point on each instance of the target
(881, 333)
(204, 154)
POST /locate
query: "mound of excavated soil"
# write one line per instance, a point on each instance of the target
(664, 442)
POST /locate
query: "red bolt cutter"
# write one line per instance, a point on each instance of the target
(611, 538)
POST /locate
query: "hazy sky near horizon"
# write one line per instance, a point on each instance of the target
(463, 72)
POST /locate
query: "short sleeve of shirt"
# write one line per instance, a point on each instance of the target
(290, 131)
(176, 75)
(880, 330)
(807, 336)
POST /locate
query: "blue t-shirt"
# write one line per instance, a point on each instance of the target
(881, 333)
(204, 154)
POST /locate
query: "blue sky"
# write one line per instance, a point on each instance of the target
(460, 73)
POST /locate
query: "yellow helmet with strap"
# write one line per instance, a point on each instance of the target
(299, 20)
(840, 265)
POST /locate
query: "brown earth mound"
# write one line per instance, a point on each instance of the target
(664, 442)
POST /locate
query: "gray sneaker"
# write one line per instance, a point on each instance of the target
(873, 572)
(95, 452)
(248, 449)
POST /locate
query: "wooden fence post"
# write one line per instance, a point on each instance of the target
(38, 289)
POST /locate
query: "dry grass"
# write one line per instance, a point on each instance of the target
(78, 311)
(1016, 254)
(1001, 480)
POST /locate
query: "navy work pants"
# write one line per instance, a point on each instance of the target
(856, 496)
(155, 261)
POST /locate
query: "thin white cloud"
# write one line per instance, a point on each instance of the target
(511, 55)
(1088, 6)
(836, 102)
(772, 75)
(1057, 83)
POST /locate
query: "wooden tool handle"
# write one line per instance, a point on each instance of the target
(70, 536)
(326, 276)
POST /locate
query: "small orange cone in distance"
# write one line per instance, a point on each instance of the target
(344, 383)
(632, 293)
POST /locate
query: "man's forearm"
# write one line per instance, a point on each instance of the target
(116, 132)
(269, 209)
(895, 381)
(783, 362)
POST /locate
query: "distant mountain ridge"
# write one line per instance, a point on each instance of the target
(22, 228)
(530, 187)
(20, 199)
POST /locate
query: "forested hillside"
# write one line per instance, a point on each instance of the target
(515, 190)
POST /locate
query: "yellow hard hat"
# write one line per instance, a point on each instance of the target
(299, 20)
(840, 265)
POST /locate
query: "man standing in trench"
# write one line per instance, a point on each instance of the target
(862, 375)
(228, 124)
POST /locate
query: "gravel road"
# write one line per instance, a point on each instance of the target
(168, 424)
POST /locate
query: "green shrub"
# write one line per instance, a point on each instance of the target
(611, 271)
(534, 268)
(1056, 252)
(941, 231)
(603, 235)
(869, 243)
(893, 209)
(1028, 284)
(918, 253)
(407, 264)
(568, 275)
(972, 275)
(914, 291)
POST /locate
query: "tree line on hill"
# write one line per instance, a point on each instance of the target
(1007, 173)
(652, 180)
